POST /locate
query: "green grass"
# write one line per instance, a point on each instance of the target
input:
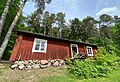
(112, 77)
(3, 68)
(58, 79)
(49, 75)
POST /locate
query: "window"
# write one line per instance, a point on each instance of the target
(74, 49)
(89, 51)
(39, 45)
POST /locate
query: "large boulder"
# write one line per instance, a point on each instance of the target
(56, 63)
(35, 66)
(16, 62)
(25, 62)
(52, 61)
(20, 62)
(60, 64)
(43, 66)
(22, 66)
(49, 64)
(14, 66)
(44, 62)
(62, 61)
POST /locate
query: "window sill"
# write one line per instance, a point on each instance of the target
(39, 51)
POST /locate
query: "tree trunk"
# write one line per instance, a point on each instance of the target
(4, 14)
(7, 37)
(44, 30)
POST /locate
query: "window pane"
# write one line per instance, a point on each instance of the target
(37, 41)
(74, 49)
(42, 45)
(37, 46)
(89, 51)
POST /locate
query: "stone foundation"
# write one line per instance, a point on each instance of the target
(33, 64)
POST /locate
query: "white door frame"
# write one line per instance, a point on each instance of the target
(71, 49)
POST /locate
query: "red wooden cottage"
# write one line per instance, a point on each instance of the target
(31, 46)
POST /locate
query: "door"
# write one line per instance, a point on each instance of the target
(74, 50)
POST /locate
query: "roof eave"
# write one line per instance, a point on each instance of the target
(22, 31)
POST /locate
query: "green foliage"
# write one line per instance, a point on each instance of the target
(103, 64)
(14, 7)
(10, 16)
(116, 36)
(89, 26)
(95, 40)
(104, 18)
(108, 44)
(75, 28)
(105, 58)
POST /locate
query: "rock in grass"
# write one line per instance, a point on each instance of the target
(21, 66)
(20, 62)
(16, 62)
(43, 66)
(55, 64)
(52, 61)
(49, 64)
(62, 61)
(25, 62)
(35, 66)
(14, 66)
(44, 62)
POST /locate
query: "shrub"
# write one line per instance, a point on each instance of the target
(105, 58)
(100, 66)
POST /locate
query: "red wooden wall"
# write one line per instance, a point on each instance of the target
(56, 49)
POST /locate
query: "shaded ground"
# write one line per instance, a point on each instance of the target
(48, 75)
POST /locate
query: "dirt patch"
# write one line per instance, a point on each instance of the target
(9, 75)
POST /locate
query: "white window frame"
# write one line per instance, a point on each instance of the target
(91, 50)
(71, 49)
(34, 44)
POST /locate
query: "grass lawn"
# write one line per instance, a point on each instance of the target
(112, 77)
(48, 75)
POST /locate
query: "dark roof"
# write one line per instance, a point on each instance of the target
(26, 32)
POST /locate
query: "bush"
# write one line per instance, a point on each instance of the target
(106, 58)
(101, 66)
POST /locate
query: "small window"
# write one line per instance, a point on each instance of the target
(39, 45)
(89, 51)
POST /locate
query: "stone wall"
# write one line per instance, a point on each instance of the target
(32, 64)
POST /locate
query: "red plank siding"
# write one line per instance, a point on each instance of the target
(81, 48)
(56, 48)
(16, 47)
(94, 51)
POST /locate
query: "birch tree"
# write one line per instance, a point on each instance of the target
(7, 37)
(4, 14)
